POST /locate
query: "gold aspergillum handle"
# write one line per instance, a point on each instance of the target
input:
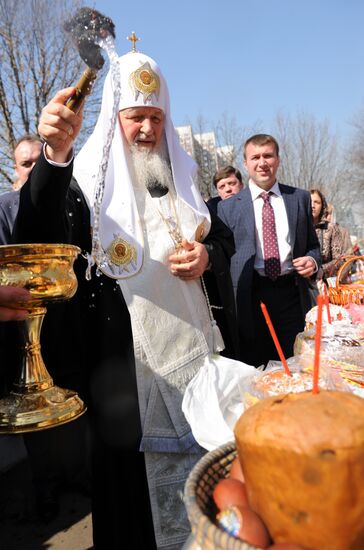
(84, 87)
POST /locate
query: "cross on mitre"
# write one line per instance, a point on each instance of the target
(134, 39)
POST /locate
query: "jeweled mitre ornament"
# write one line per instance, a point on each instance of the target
(145, 81)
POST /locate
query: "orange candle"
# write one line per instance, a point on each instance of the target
(316, 362)
(275, 339)
(327, 304)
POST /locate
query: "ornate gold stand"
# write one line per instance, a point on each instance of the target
(46, 270)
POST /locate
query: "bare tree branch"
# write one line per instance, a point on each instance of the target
(218, 144)
(37, 59)
(309, 153)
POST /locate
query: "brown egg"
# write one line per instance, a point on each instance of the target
(229, 492)
(241, 522)
(235, 471)
(286, 546)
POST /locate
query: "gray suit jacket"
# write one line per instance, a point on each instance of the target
(237, 213)
(9, 205)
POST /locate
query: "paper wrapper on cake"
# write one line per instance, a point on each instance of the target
(303, 461)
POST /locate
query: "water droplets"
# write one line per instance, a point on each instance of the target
(97, 252)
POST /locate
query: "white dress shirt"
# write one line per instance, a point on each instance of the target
(282, 228)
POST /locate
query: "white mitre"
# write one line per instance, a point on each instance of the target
(120, 231)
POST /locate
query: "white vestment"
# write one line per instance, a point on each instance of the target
(172, 332)
(172, 335)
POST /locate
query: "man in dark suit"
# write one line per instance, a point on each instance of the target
(227, 181)
(52, 468)
(26, 153)
(287, 293)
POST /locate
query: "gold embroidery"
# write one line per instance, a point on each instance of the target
(121, 252)
(145, 81)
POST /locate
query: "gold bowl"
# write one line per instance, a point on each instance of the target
(46, 270)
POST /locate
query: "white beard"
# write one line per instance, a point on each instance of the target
(152, 168)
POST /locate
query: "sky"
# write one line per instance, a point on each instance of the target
(251, 59)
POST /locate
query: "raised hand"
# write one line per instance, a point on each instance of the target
(59, 126)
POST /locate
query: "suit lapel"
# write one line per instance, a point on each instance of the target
(247, 213)
(291, 205)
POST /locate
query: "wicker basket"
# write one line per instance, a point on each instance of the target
(347, 292)
(200, 506)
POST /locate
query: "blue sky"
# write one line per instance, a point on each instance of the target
(252, 58)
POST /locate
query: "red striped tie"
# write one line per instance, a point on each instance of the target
(272, 263)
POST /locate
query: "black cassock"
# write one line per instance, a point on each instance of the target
(87, 345)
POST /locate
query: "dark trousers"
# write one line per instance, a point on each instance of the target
(282, 301)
